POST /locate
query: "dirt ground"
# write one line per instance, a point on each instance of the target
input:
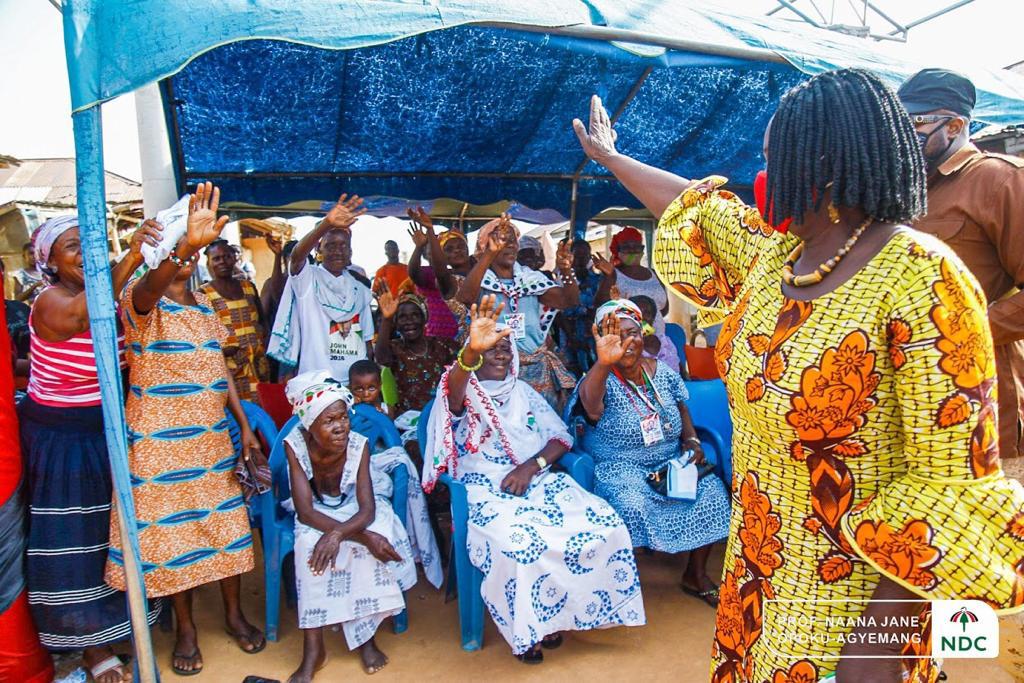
(674, 646)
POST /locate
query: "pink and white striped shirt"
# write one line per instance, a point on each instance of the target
(63, 374)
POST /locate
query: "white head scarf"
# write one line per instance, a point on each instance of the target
(47, 234)
(312, 392)
(503, 415)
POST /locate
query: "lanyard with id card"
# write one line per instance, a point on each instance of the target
(650, 424)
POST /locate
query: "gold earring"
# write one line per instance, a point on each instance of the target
(833, 213)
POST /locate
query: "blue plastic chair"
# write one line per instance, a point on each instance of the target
(468, 578)
(709, 410)
(678, 336)
(266, 430)
(278, 525)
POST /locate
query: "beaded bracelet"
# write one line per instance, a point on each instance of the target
(469, 368)
(176, 260)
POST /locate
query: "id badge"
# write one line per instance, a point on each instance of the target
(517, 323)
(650, 427)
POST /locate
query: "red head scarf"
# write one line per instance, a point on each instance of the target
(623, 236)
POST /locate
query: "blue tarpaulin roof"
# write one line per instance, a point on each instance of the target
(467, 99)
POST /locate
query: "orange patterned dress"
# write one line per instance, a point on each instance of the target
(193, 525)
(249, 366)
(864, 438)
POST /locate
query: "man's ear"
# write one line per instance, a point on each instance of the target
(957, 126)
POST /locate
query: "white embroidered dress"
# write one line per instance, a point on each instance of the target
(360, 591)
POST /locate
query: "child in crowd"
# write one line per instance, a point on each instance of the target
(656, 345)
(364, 381)
(353, 557)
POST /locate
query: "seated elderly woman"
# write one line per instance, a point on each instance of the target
(635, 422)
(554, 557)
(353, 558)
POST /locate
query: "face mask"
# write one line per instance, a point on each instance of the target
(630, 259)
(932, 160)
(761, 199)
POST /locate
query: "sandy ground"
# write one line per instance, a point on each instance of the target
(674, 646)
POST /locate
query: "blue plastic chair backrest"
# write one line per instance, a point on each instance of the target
(709, 406)
(421, 429)
(279, 462)
(377, 427)
(678, 336)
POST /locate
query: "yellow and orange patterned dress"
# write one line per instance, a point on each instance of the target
(193, 524)
(249, 365)
(864, 437)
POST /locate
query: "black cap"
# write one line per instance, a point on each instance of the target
(931, 89)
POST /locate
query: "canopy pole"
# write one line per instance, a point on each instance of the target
(92, 217)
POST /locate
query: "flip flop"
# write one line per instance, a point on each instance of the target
(191, 659)
(709, 597)
(251, 639)
(552, 642)
(108, 664)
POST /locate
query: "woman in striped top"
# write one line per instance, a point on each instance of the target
(67, 471)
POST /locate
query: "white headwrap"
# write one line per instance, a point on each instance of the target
(47, 234)
(312, 392)
(502, 416)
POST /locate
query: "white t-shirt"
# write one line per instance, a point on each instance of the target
(335, 318)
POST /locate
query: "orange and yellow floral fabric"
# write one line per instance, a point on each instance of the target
(864, 437)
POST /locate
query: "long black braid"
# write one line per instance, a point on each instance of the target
(845, 130)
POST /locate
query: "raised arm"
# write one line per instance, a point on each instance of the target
(59, 315)
(203, 228)
(568, 295)
(418, 233)
(608, 278)
(387, 306)
(438, 261)
(655, 188)
(341, 216)
(483, 336)
(469, 292)
(274, 285)
(610, 349)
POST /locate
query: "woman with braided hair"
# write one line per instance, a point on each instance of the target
(860, 371)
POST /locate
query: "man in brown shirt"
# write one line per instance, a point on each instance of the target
(976, 206)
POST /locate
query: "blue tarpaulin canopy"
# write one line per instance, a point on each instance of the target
(419, 99)
(467, 99)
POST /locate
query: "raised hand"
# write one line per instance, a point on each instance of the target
(418, 215)
(203, 225)
(147, 233)
(387, 303)
(597, 141)
(563, 257)
(345, 212)
(274, 243)
(483, 332)
(419, 233)
(608, 339)
(603, 265)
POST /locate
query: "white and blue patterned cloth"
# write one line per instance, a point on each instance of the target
(622, 462)
(555, 559)
(359, 591)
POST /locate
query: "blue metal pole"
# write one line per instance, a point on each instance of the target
(92, 217)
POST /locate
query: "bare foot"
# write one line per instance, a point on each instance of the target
(314, 656)
(96, 655)
(373, 659)
(186, 659)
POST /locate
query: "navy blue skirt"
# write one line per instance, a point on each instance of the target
(68, 489)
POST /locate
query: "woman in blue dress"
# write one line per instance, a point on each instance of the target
(635, 421)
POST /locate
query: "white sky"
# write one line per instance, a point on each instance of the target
(35, 102)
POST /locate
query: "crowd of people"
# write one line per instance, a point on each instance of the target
(861, 353)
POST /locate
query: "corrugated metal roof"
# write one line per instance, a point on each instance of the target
(52, 182)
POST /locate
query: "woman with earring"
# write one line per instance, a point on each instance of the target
(860, 371)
